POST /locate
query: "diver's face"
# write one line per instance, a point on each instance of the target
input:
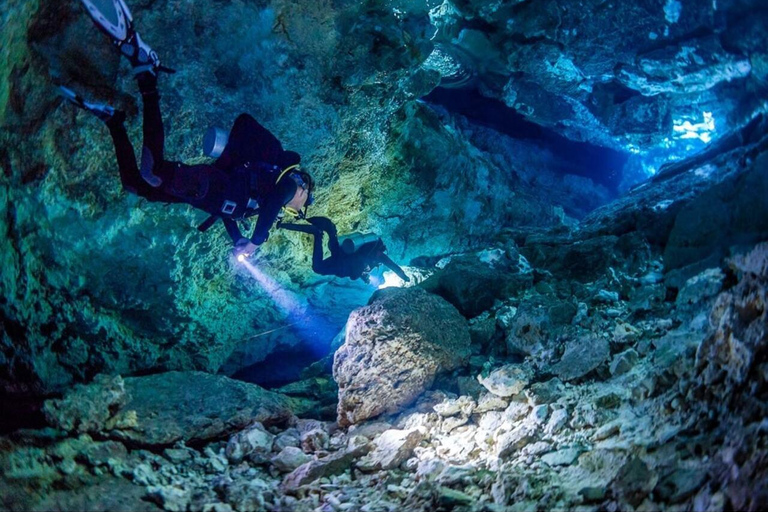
(299, 199)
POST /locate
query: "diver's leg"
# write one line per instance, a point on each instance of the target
(327, 225)
(126, 158)
(153, 131)
(130, 176)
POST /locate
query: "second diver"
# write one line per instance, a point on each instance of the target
(347, 259)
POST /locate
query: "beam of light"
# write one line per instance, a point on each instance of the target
(390, 279)
(315, 331)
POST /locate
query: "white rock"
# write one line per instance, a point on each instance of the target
(564, 457)
(516, 411)
(557, 421)
(254, 439)
(515, 440)
(290, 458)
(170, 498)
(490, 402)
(392, 448)
(463, 405)
(540, 413)
(430, 469)
(509, 380)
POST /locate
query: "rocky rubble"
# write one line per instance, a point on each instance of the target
(668, 417)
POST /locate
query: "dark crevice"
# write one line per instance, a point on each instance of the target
(601, 165)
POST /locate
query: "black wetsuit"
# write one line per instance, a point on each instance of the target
(242, 182)
(340, 264)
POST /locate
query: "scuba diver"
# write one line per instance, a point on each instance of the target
(253, 175)
(354, 257)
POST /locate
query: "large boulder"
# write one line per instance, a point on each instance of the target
(394, 348)
(473, 282)
(162, 409)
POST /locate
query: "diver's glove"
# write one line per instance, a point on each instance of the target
(243, 249)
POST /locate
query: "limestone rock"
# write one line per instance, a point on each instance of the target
(557, 420)
(394, 349)
(754, 261)
(634, 481)
(528, 330)
(563, 457)
(333, 464)
(624, 362)
(473, 286)
(88, 408)
(194, 406)
(507, 381)
(581, 356)
(253, 440)
(738, 339)
(701, 287)
(463, 405)
(516, 439)
(392, 448)
(170, 498)
(289, 459)
(490, 402)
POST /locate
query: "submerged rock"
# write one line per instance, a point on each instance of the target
(168, 407)
(333, 464)
(507, 381)
(254, 440)
(392, 448)
(473, 285)
(88, 408)
(581, 356)
(394, 348)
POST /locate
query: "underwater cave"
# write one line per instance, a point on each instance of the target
(402, 255)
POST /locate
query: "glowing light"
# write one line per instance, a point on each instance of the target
(312, 328)
(391, 280)
(241, 258)
(701, 131)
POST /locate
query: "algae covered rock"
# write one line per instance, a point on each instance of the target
(162, 409)
(473, 283)
(193, 406)
(581, 356)
(88, 408)
(394, 348)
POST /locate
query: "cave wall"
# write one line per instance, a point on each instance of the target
(619, 74)
(96, 280)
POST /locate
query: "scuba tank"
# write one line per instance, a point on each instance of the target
(351, 243)
(214, 141)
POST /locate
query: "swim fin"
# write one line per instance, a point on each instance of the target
(103, 112)
(114, 19)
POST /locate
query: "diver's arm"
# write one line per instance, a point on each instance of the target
(383, 258)
(268, 213)
(232, 230)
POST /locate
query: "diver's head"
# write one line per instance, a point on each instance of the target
(299, 199)
(302, 196)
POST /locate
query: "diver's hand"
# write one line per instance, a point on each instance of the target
(244, 248)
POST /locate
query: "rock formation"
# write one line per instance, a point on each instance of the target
(586, 325)
(394, 349)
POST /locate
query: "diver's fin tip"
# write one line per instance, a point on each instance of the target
(114, 19)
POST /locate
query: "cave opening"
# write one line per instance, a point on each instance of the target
(602, 165)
